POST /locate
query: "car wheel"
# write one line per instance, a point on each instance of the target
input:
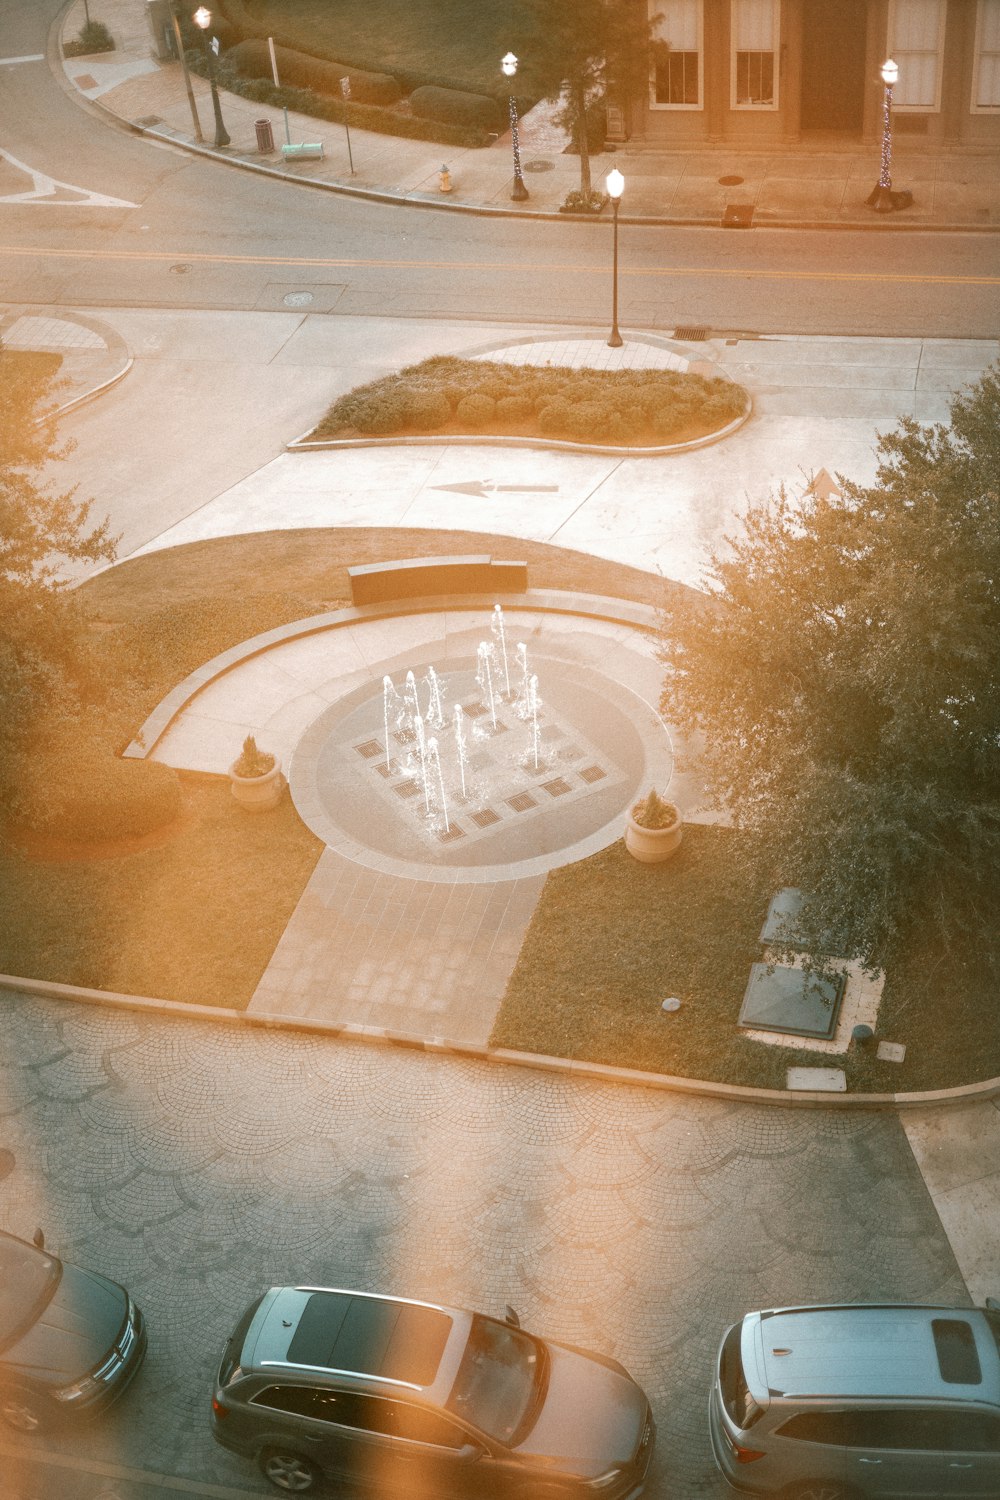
(821, 1489)
(289, 1472)
(23, 1410)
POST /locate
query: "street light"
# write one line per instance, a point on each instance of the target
(882, 198)
(518, 192)
(179, 44)
(615, 184)
(203, 19)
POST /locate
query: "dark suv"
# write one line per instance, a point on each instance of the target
(431, 1401)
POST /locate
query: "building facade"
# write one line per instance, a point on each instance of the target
(766, 73)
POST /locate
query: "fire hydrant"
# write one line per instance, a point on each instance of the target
(444, 180)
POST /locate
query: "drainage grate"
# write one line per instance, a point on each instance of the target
(521, 801)
(407, 789)
(370, 749)
(392, 769)
(474, 709)
(738, 216)
(592, 773)
(691, 335)
(556, 788)
(449, 835)
(484, 818)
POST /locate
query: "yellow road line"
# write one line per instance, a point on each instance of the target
(912, 278)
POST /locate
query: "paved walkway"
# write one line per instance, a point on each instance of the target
(811, 185)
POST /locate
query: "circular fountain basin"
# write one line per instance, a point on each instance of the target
(355, 775)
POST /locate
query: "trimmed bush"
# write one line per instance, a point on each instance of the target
(252, 59)
(454, 107)
(515, 408)
(427, 409)
(476, 411)
(86, 793)
(94, 37)
(554, 419)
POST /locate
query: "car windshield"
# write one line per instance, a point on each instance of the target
(28, 1277)
(500, 1380)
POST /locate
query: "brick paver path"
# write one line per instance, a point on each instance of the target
(199, 1164)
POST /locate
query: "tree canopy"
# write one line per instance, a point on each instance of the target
(582, 50)
(844, 679)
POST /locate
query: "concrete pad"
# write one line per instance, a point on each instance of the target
(821, 1080)
(957, 1146)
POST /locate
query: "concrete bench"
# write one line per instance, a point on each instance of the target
(417, 577)
(303, 149)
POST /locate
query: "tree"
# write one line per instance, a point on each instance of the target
(43, 659)
(582, 50)
(845, 680)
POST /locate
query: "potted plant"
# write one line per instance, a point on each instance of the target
(653, 829)
(256, 778)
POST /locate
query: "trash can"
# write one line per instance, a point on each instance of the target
(265, 135)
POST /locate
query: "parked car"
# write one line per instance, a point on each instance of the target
(849, 1402)
(426, 1400)
(70, 1340)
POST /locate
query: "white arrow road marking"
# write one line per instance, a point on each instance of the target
(45, 189)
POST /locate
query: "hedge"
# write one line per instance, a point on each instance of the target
(378, 118)
(631, 407)
(454, 107)
(252, 59)
(85, 792)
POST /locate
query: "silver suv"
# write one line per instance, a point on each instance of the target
(430, 1401)
(841, 1403)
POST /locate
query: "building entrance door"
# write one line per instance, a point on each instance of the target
(833, 65)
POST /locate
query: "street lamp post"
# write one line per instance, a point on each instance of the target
(203, 19)
(882, 198)
(615, 184)
(518, 192)
(179, 44)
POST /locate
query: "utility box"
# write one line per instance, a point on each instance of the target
(161, 30)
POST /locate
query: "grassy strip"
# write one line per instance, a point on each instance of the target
(447, 395)
(611, 939)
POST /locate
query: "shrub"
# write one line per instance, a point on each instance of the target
(476, 411)
(75, 791)
(253, 762)
(456, 108)
(252, 59)
(427, 409)
(554, 419)
(381, 414)
(515, 408)
(94, 37)
(652, 811)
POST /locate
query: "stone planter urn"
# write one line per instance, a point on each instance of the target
(653, 830)
(256, 779)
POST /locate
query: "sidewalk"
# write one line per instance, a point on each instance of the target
(809, 186)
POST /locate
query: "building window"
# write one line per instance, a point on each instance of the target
(755, 30)
(986, 74)
(916, 42)
(677, 73)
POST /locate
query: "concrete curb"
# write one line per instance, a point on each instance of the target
(501, 1056)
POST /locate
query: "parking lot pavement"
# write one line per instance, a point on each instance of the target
(197, 1164)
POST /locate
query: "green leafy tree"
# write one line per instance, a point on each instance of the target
(43, 532)
(844, 680)
(582, 50)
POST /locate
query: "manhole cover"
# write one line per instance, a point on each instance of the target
(538, 166)
(150, 120)
(180, 270)
(730, 181)
(6, 1162)
(297, 299)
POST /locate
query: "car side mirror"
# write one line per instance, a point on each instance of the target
(38, 1240)
(469, 1452)
(511, 1317)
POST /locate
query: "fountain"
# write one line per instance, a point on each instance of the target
(461, 750)
(435, 712)
(500, 638)
(484, 677)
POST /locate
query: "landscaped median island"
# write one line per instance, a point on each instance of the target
(448, 396)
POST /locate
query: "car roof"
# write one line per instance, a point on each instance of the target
(878, 1352)
(390, 1340)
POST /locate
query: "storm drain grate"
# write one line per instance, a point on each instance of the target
(691, 335)
(521, 801)
(370, 749)
(592, 773)
(485, 817)
(556, 788)
(449, 835)
(407, 789)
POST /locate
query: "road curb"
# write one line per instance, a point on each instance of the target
(501, 1056)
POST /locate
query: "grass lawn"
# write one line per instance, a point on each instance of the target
(453, 41)
(611, 938)
(195, 914)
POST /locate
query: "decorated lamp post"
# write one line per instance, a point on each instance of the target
(518, 192)
(882, 199)
(203, 19)
(615, 184)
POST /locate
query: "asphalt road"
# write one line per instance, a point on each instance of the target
(203, 236)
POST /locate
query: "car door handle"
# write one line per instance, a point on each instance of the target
(869, 1460)
(959, 1466)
